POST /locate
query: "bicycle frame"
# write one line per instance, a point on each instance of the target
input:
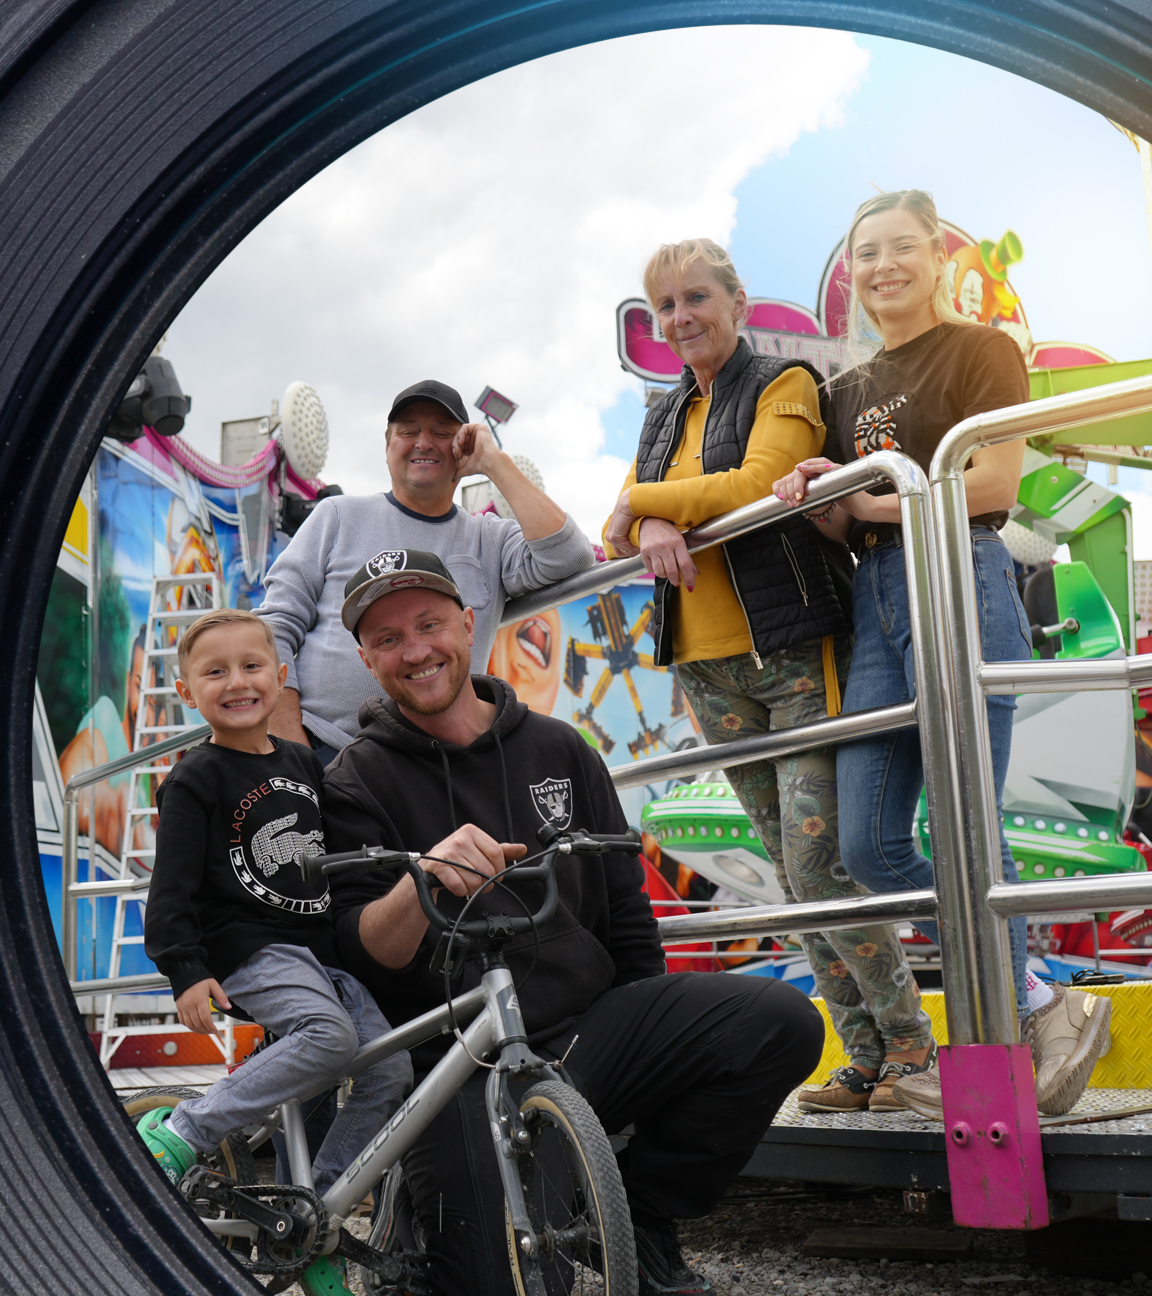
(492, 1012)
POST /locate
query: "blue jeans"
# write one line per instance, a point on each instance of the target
(880, 779)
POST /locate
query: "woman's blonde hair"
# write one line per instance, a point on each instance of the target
(920, 204)
(675, 258)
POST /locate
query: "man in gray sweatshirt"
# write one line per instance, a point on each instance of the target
(430, 446)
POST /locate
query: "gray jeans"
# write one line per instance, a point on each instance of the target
(321, 1016)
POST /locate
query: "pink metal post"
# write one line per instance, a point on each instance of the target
(995, 1164)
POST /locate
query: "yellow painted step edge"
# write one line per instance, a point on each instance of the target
(1127, 1066)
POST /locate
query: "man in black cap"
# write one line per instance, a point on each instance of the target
(430, 446)
(451, 764)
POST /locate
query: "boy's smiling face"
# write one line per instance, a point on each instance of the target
(233, 678)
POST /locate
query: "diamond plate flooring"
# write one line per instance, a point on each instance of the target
(1096, 1102)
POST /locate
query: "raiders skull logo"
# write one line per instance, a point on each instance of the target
(553, 801)
(386, 562)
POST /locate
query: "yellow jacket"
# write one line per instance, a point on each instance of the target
(710, 622)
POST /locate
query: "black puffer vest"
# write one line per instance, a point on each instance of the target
(793, 584)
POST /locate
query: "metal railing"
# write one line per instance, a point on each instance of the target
(991, 1016)
(72, 889)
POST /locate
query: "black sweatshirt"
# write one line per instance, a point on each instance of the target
(395, 786)
(224, 883)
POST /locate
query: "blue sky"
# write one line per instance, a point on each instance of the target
(405, 263)
(997, 152)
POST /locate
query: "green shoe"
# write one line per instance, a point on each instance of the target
(325, 1277)
(172, 1154)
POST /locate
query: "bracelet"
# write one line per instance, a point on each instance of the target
(822, 517)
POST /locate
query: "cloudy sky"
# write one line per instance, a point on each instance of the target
(488, 237)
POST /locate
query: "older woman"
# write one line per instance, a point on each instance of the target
(758, 629)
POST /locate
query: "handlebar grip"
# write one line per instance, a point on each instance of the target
(420, 877)
(586, 843)
(313, 866)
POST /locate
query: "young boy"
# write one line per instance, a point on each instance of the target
(229, 917)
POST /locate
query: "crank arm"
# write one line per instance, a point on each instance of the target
(394, 1272)
(200, 1184)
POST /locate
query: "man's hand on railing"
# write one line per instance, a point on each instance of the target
(616, 533)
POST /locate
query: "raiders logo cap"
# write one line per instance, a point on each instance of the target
(431, 390)
(392, 570)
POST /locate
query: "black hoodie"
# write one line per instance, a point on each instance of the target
(398, 787)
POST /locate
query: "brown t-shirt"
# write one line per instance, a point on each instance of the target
(908, 398)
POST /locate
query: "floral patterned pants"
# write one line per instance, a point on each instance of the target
(865, 980)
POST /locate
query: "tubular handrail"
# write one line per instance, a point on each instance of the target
(860, 475)
(810, 916)
(70, 848)
(1037, 418)
(122, 764)
(1060, 676)
(1106, 891)
(781, 742)
(971, 677)
(106, 985)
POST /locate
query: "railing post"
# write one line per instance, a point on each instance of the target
(940, 757)
(998, 1020)
(69, 871)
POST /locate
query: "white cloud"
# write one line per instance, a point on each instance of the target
(488, 237)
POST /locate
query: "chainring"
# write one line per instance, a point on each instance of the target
(281, 1256)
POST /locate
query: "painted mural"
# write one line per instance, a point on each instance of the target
(143, 515)
(590, 663)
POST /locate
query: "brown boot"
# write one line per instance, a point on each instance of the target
(844, 1090)
(883, 1098)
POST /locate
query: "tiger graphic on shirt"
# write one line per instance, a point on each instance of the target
(876, 427)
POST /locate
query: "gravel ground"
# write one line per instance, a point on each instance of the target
(750, 1246)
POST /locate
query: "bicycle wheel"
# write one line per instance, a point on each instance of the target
(576, 1202)
(397, 1232)
(231, 1158)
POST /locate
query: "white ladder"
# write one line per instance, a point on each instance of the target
(196, 593)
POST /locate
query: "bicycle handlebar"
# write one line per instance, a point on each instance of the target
(499, 927)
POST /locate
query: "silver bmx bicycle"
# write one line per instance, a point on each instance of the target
(565, 1209)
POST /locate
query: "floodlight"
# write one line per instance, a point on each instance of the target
(494, 407)
(155, 399)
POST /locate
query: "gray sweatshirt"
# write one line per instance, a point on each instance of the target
(488, 557)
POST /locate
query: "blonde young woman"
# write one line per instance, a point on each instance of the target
(758, 628)
(935, 368)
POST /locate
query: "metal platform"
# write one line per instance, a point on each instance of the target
(126, 1079)
(903, 1150)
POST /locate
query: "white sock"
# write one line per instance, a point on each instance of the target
(1039, 993)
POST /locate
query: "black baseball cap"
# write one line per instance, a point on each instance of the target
(394, 569)
(431, 390)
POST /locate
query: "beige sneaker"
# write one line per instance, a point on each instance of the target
(844, 1090)
(893, 1080)
(1068, 1036)
(921, 1093)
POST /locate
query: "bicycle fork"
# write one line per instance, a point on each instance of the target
(509, 1134)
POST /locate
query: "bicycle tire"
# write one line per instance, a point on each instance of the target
(571, 1181)
(232, 1157)
(396, 1230)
